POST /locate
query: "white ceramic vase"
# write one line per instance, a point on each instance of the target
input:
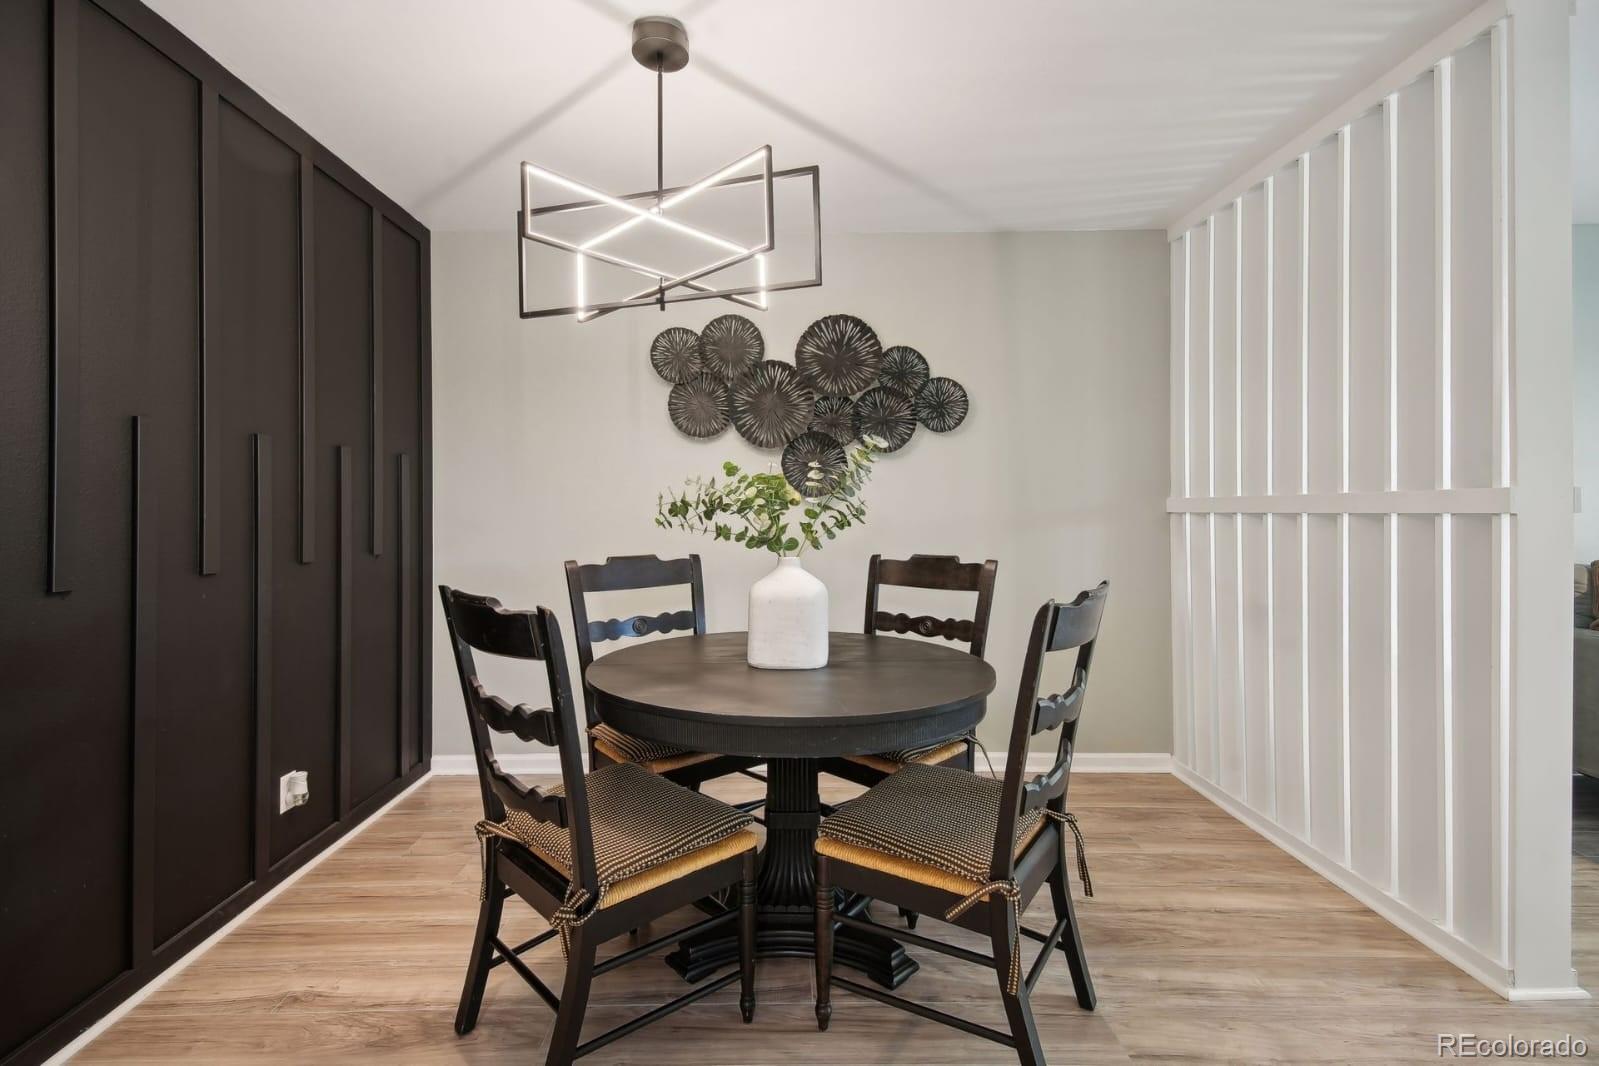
(788, 619)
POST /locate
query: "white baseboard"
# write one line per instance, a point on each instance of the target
(1441, 942)
(83, 1039)
(1084, 762)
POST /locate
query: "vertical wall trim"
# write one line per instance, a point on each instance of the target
(209, 406)
(1210, 466)
(1304, 483)
(1238, 486)
(1443, 84)
(1344, 149)
(346, 670)
(425, 432)
(145, 695)
(64, 329)
(1270, 202)
(307, 360)
(405, 657)
(1391, 121)
(265, 806)
(375, 466)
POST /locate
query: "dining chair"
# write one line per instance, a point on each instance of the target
(973, 849)
(599, 855)
(631, 573)
(940, 572)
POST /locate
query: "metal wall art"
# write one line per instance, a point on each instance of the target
(842, 385)
(818, 448)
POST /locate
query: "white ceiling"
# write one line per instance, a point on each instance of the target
(924, 114)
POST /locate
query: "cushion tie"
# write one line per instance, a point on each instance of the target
(574, 909)
(1082, 858)
(1008, 889)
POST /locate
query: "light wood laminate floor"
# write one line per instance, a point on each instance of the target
(1206, 943)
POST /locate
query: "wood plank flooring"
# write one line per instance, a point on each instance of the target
(1206, 942)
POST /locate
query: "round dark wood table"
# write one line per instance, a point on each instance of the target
(876, 693)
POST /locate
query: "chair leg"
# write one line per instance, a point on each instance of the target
(1018, 1008)
(824, 945)
(909, 916)
(746, 939)
(1071, 941)
(488, 927)
(574, 999)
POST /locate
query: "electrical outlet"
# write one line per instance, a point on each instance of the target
(294, 790)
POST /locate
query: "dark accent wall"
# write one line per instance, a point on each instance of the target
(215, 544)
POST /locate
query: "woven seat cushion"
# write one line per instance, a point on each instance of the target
(654, 756)
(930, 824)
(929, 754)
(647, 831)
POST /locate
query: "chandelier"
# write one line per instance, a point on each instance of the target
(712, 239)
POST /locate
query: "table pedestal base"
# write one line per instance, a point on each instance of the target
(785, 920)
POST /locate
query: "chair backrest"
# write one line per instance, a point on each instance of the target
(479, 623)
(621, 573)
(942, 572)
(1057, 627)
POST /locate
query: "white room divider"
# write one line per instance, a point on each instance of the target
(1346, 602)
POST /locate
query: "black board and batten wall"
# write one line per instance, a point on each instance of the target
(215, 542)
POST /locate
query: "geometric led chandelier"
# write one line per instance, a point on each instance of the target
(712, 239)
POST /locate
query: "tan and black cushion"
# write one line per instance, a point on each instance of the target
(928, 754)
(654, 756)
(647, 832)
(932, 824)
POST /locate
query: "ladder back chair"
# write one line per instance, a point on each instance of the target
(629, 573)
(973, 849)
(939, 572)
(598, 856)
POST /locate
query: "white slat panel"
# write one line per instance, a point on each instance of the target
(1182, 649)
(1224, 429)
(1224, 334)
(1259, 743)
(1255, 451)
(1324, 646)
(1202, 639)
(1370, 722)
(1475, 734)
(1229, 664)
(1254, 374)
(1201, 590)
(1199, 378)
(1471, 240)
(1324, 538)
(1182, 703)
(1420, 875)
(1287, 338)
(1324, 318)
(1289, 709)
(1416, 394)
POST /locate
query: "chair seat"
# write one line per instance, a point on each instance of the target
(647, 832)
(931, 824)
(929, 754)
(654, 756)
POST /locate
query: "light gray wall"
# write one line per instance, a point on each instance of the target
(551, 442)
(1585, 357)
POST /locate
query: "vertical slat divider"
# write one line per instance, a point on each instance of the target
(209, 405)
(1182, 701)
(146, 570)
(264, 792)
(346, 662)
(65, 336)
(375, 468)
(307, 360)
(425, 431)
(1444, 91)
(405, 657)
(1504, 592)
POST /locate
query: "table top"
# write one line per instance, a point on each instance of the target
(876, 693)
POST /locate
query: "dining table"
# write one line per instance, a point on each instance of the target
(877, 693)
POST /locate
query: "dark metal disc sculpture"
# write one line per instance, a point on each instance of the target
(839, 355)
(886, 413)
(675, 354)
(904, 369)
(771, 404)
(835, 417)
(941, 404)
(699, 406)
(818, 448)
(730, 345)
